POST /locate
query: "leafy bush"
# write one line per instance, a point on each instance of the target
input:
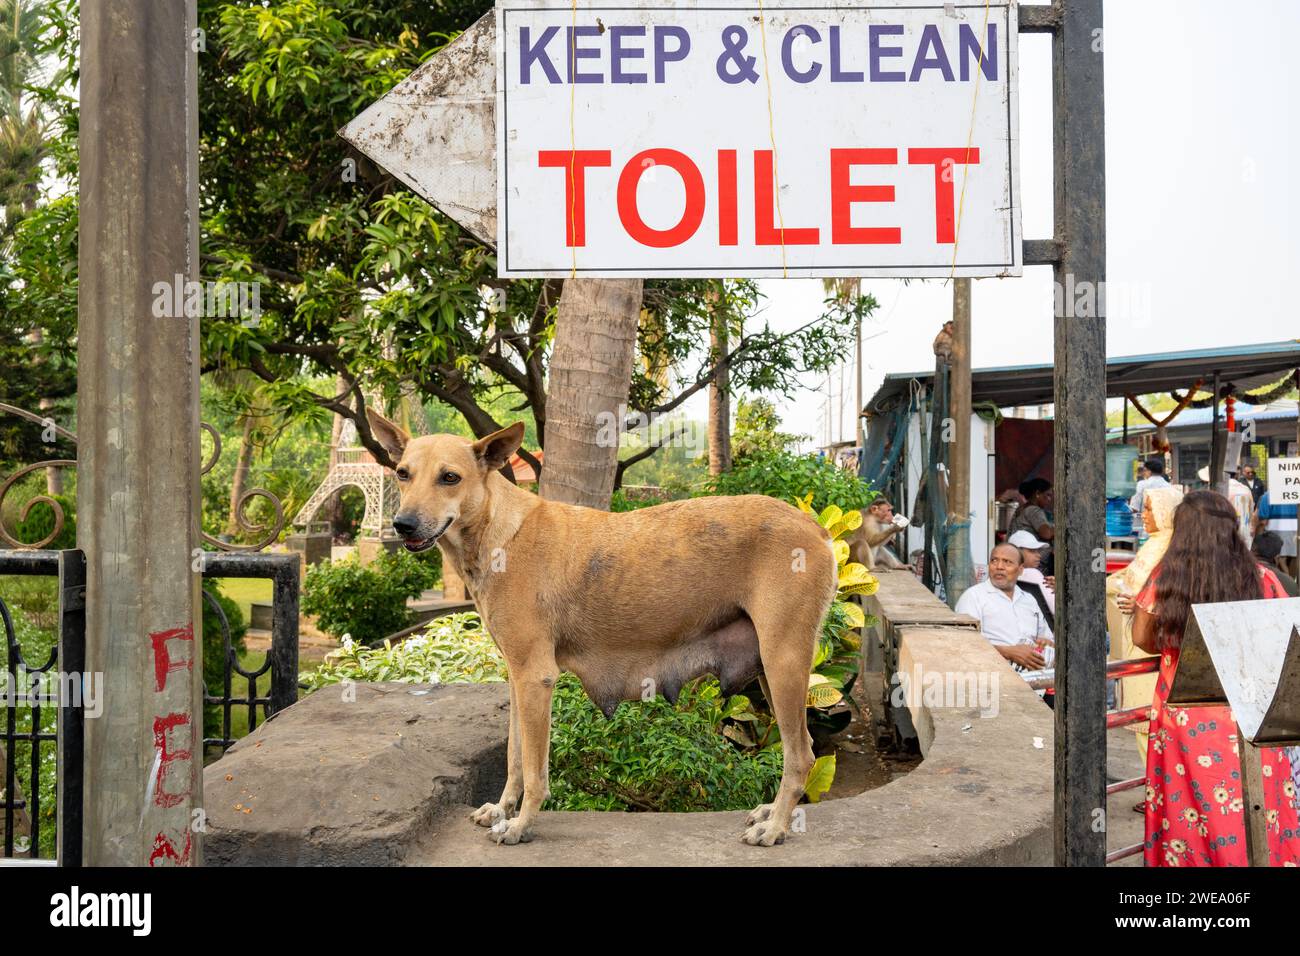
(653, 755)
(789, 477)
(453, 650)
(37, 597)
(621, 501)
(367, 602)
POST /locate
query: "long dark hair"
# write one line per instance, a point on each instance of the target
(1207, 562)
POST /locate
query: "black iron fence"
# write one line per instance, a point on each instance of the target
(31, 689)
(281, 660)
(51, 751)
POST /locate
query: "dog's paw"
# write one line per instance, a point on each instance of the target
(490, 814)
(765, 833)
(758, 814)
(510, 832)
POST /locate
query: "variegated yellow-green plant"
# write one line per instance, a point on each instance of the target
(837, 661)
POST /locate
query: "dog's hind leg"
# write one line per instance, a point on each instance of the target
(787, 640)
(533, 684)
(763, 810)
(490, 814)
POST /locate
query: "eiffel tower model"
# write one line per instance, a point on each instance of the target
(352, 465)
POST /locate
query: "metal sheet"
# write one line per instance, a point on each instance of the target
(1246, 653)
(436, 130)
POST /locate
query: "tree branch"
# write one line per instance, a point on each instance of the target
(642, 455)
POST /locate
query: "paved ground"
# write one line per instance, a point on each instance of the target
(1123, 826)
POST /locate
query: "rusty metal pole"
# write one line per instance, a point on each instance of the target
(1079, 150)
(1218, 445)
(959, 402)
(138, 424)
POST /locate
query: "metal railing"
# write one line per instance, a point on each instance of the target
(281, 660)
(66, 740)
(24, 821)
(1124, 718)
(1116, 718)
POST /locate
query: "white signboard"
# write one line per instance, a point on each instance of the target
(1284, 481)
(709, 139)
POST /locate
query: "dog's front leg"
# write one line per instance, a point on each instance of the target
(533, 684)
(490, 814)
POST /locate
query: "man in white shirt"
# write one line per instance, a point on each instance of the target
(1155, 478)
(1009, 618)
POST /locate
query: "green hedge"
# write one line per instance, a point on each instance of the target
(367, 602)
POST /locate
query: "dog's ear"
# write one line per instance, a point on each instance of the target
(495, 450)
(391, 436)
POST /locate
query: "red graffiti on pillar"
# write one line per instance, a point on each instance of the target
(162, 661)
(164, 849)
(161, 725)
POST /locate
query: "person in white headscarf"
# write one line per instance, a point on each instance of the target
(1159, 505)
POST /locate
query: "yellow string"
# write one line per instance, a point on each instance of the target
(573, 141)
(771, 134)
(970, 138)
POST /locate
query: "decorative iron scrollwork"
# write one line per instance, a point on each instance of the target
(26, 509)
(268, 531)
(21, 473)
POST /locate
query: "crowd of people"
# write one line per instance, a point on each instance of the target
(1196, 551)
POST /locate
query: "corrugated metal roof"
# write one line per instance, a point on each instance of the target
(1285, 410)
(1248, 366)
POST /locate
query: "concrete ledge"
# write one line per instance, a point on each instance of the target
(330, 781)
(982, 796)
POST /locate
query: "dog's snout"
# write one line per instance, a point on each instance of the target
(405, 524)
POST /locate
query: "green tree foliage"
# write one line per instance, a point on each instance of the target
(359, 279)
(789, 477)
(758, 430)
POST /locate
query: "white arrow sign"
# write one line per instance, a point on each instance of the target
(436, 130)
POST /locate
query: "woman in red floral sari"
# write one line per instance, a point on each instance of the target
(1194, 811)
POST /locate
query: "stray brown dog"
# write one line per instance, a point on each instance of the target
(736, 587)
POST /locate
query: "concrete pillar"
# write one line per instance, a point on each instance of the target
(138, 427)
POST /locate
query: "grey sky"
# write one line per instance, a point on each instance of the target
(1202, 208)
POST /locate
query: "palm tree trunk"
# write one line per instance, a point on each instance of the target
(591, 369)
(334, 506)
(243, 466)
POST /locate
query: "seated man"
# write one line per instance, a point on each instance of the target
(1281, 520)
(1010, 618)
(867, 546)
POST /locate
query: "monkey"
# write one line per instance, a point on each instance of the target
(867, 546)
(943, 344)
